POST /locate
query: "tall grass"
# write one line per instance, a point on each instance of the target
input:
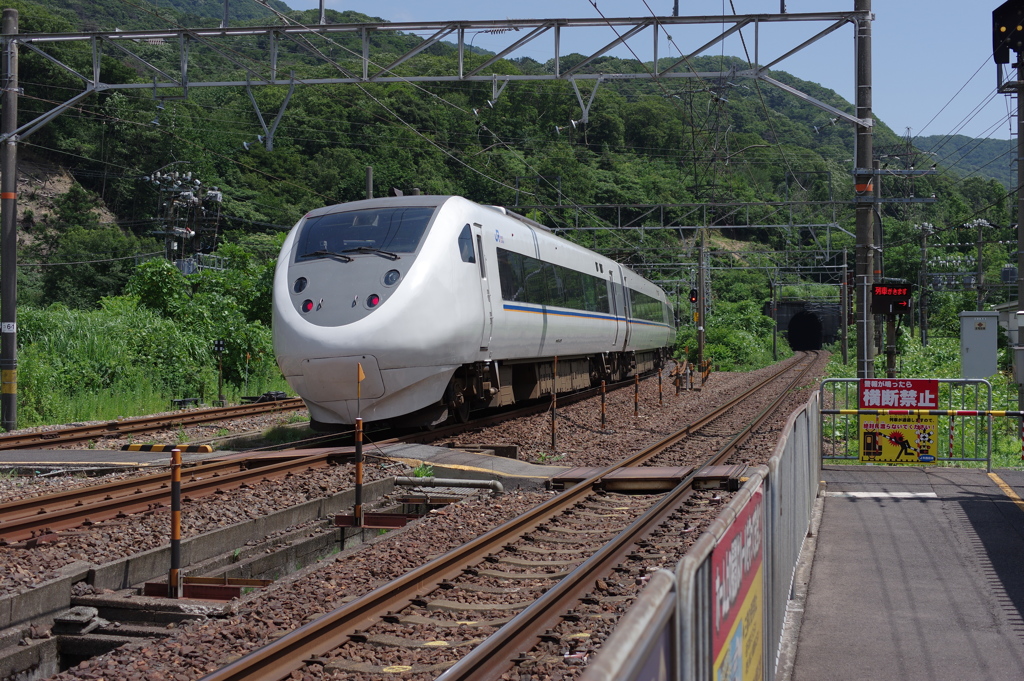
(941, 359)
(119, 361)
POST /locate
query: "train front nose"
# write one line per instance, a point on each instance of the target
(332, 379)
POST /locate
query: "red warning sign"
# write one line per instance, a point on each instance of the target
(899, 393)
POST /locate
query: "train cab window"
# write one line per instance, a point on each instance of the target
(395, 230)
(466, 245)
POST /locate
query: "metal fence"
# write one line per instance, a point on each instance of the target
(963, 437)
(744, 564)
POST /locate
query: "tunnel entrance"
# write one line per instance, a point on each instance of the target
(805, 332)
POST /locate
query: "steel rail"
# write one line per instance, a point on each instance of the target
(87, 495)
(286, 654)
(30, 517)
(711, 416)
(493, 657)
(143, 424)
(27, 527)
(278, 659)
(743, 435)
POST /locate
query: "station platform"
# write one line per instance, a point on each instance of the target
(91, 460)
(916, 573)
(448, 462)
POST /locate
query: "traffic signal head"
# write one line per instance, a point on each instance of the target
(693, 295)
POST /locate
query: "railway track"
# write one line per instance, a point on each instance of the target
(436, 626)
(39, 519)
(148, 424)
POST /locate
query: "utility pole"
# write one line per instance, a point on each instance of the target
(1018, 355)
(923, 302)
(979, 279)
(701, 302)
(864, 185)
(1008, 34)
(9, 228)
(844, 315)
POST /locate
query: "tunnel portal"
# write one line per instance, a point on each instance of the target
(807, 324)
(804, 331)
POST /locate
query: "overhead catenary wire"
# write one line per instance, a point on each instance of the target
(420, 132)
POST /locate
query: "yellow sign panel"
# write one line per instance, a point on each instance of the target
(741, 658)
(898, 439)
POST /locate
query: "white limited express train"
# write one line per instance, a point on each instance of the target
(417, 309)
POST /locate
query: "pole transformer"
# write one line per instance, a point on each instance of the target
(8, 227)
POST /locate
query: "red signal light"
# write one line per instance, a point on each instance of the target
(307, 305)
(373, 300)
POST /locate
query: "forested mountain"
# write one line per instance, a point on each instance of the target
(714, 143)
(968, 156)
(106, 15)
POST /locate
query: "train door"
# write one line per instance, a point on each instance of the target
(617, 298)
(487, 330)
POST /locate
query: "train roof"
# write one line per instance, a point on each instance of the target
(422, 200)
(439, 200)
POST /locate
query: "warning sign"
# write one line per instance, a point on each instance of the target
(896, 393)
(898, 438)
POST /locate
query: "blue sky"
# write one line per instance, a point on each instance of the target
(926, 55)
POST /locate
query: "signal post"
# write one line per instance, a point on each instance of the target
(890, 301)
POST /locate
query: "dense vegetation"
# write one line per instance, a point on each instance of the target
(93, 320)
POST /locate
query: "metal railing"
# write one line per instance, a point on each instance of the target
(963, 436)
(672, 625)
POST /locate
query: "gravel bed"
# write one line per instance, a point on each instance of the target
(112, 539)
(581, 441)
(200, 647)
(20, 487)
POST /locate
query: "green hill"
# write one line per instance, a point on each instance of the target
(992, 158)
(730, 148)
(103, 15)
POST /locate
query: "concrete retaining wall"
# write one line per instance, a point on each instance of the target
(40, 603)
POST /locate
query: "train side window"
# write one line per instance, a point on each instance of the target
(466, 245)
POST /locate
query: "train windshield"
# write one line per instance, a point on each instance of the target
(383, 230)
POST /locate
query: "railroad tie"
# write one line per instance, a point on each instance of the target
(200, 449)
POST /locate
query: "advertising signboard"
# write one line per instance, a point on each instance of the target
(737, 595)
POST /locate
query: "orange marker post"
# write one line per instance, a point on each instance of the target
(174, 577)
(554, 406)
(636, 396)
(358, 510)
(602, 405)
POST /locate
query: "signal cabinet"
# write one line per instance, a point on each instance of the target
(978, 335)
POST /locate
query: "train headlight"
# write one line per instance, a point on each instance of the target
(391, 277)
(307, 305)
(372, 300)
(300, 285)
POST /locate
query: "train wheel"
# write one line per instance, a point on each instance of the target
(458, 402)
